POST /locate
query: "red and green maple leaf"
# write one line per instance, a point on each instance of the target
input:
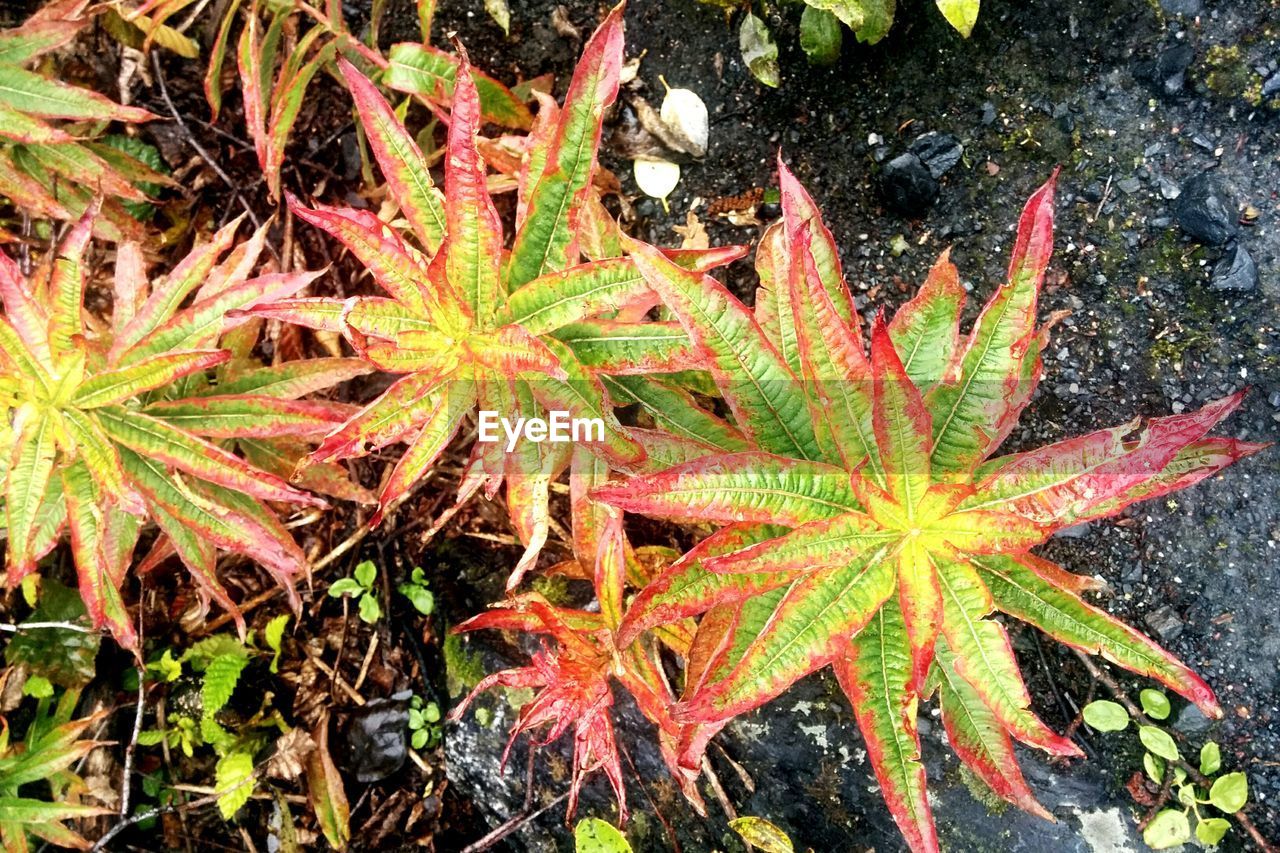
(50, 164)
(115, 421)
(868, 527)
(574, 677)
(468, 323)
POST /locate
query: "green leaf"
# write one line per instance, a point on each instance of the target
(370, 610)
(1154, 704)
(419, 738)
(1230, 792)
(1106, 716)
(220, 679)
(593, 835)
(1210, 758)
(759, 50)
(422, 599)
(961, 14)
(762, 835)
(869, 19)
(366, 573)
(345, 586)
(37, 686)
(1209, 831)
(1154, 767)
(422, 70)
(63, 656)
(1169, 829)
(233, 779)
(273, 635)
(1159, 742)
(820, 36)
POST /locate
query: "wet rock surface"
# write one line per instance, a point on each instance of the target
(1148, 335)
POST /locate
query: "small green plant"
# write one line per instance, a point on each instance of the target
(360, 586)
(424, 723)
(821, 35)
(45, 755)
(204, 680)
(1170, 827)
(415, 589)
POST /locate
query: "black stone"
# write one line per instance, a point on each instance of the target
(1204, 212)
(939, 151)
(1235, 270)
(373, 739)
(908, 186)
(1171, 67)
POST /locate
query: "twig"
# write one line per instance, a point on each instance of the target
(150, 814)
(126, 778)
(1191, 771)
(199, 149)
(62, 626)
(511, 826)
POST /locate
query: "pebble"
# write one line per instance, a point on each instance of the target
(1169, 188)
(989, 112)
(1075, 531)
(1129, 186)
(1190, 8)
(908, 185)
(939, 151)
(1165, 623)
(1203, 211)
(1271, 86)
(1171, 67)
(1192, 721)
(1235, 270)
(1274, 399)
(373, 742)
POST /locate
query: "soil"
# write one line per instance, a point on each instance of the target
(1040, 84)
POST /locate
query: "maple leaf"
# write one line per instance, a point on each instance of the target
(573, 678)
(867, 526)
(50, 164)
(107, 419)
(468, 324)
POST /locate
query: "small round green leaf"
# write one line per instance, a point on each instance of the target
(1154, 767)
(1187, 795)
(1229, 792)
(1154, 704)
(1169, 829)
(593, 835)
(1210, 758)
(370, 610)
(1159, 742)
(366, 572)
(1211, 830)
(1106, 716)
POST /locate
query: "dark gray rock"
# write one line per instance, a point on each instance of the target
(1192, 721)
(1165, 623)
(939, 151)
(1204, 212)
(1129, 186)
(1271, 86)
(989, 112)
(908, 186)
(1235, 270)
(373, 742)
(1171, 67)
(1190, 8)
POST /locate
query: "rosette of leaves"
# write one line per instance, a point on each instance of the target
(44, 757)
(573, 676)
(112, 420)
(467, 322)
(869, 525)
(50, 164)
